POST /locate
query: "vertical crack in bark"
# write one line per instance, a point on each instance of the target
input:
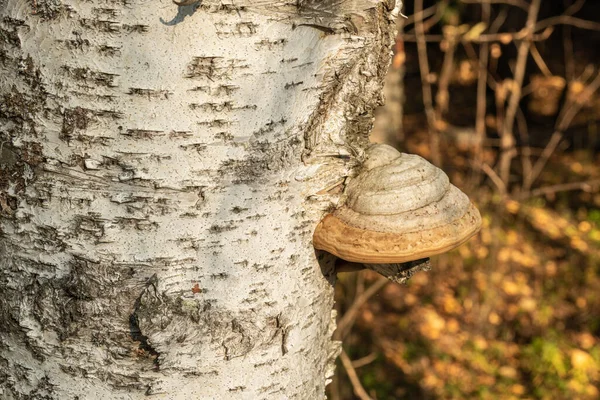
(134, 323)
(284, 334)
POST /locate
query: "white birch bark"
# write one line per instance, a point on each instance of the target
(162, 171)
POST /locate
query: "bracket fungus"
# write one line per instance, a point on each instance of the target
(398, 211)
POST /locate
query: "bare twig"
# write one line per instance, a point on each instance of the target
(474, 59)
(500, 100)
(429, 23)
(575, 105)
(428, 38)
(537, 57)
(517, 3)
(334, 388)
(587, 73)
(426, 13)
(525, 147)
(492, 63)
(531, 34)
(540, 32)
(567, 20)
(499, 20)
(360, 285)
(494, 177)
(359, 390)
(566, 117)
(346, 322)
(575, 7)
(442, 96)
(484, 52)
(541, 162)
(426, 85)
(506, 133)
(568, 52)
(587, 186)
(366, 360)
(504, 37)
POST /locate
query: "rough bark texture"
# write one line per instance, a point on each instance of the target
(162, 171)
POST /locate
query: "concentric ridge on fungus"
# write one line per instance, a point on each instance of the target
(399, 208)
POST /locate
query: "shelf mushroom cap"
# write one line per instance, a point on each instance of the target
(399, 208)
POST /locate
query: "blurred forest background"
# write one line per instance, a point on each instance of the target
(503, 95)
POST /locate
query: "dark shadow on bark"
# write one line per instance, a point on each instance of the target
(184, 10)
(327, 263)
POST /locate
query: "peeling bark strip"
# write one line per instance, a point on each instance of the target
(159, 186)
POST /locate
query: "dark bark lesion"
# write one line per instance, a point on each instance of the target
(18, 169)
(22, 102)
(74, 118)
(145, 346)
(48, 9)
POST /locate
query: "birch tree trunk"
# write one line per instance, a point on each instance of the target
(162, 171)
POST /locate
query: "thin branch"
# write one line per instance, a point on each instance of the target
(484, 53)
(575, 7)
(426, 13)
(506, 134)
(526, 163)
(474, 59)
(429, 23)
(366, 360)
(504, 37)
(587, 73)
(426, 85)
(537, 57)
(442, 97)
(424, 65)
(587, 186)
(567, 20)
(359, 390)
(516, 3)
(577, 104)
(567, 114)
(500, 102)
(359, 287)
(499, 21)
(541, 162)
(494, 177)
(428, 38)
(347, 320)
(568, 51)
(492, 63)
(334, 388)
